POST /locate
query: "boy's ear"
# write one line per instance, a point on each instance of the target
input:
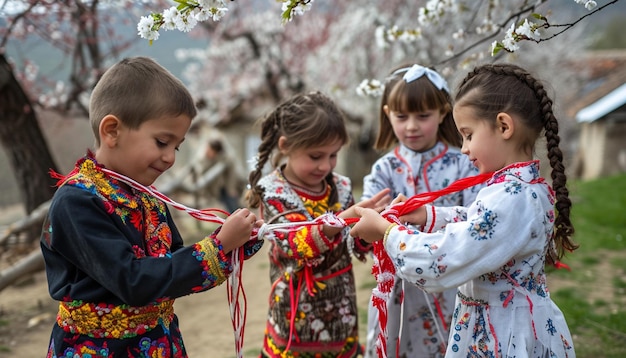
(505, 125)
(109, 130)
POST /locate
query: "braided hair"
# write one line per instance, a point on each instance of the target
(306, 120)
(494, 88)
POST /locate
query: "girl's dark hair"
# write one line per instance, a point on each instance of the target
(416, 96)
(306, 120)
(495, 88)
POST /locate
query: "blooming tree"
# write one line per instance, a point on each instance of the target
(189, 13)
(82, 30)
(348, 47)
(267, 50)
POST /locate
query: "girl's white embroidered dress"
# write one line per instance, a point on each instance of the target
(496, 257)
(417, 318)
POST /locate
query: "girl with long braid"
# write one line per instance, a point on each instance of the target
(312, 303)
(423, 154)
(495, 250)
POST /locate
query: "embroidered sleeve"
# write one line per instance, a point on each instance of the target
(438, 217)
(307, 243)
(251, 247)
(108, 258)
(216, 266)
(502, 225)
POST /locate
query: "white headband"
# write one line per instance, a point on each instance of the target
(417, 71)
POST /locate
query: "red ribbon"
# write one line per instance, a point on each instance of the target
(383, 269)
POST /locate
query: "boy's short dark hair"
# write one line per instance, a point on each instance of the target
(137, 89)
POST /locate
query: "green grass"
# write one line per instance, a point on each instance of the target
(592, 295)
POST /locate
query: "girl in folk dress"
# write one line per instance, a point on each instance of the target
(495, 250)
(312, 303)
(416, 124)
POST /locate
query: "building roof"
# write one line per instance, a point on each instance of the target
(605, 85)
(603, 106)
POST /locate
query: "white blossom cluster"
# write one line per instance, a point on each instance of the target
(435, 10)
(371, 88)
(527, 30)
(589, 4)
(183, 18)
(384, 36)
(186, 16)
(295, 7)
(428, 15)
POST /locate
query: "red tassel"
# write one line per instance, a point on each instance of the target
(60, 177)
(560, 265)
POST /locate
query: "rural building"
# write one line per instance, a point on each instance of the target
(600, 111)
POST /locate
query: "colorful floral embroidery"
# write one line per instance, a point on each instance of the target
(482, 228)
(214, 262)
(509, 295)
(109, 321)
(311, 304)
(86, 349)
(138, 209)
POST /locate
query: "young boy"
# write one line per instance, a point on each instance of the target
(114, 258)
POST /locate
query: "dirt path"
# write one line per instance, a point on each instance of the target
(204, 317)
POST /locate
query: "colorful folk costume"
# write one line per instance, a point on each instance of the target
(312, 302)
(419, 321)
(115, 262)
(494, 252)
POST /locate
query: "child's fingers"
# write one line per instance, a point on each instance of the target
(399, 199)
(379, 209)
(380, 195)
(380, 198)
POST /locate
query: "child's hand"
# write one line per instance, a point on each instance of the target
(377, 202)
(237, 229)
(415, 217)
(371, 227)
(399, 199)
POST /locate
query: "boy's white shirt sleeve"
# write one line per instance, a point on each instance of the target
(497, 229)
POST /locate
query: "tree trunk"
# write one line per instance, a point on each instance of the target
(24, 142)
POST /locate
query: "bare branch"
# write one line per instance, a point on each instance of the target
(569, 26)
